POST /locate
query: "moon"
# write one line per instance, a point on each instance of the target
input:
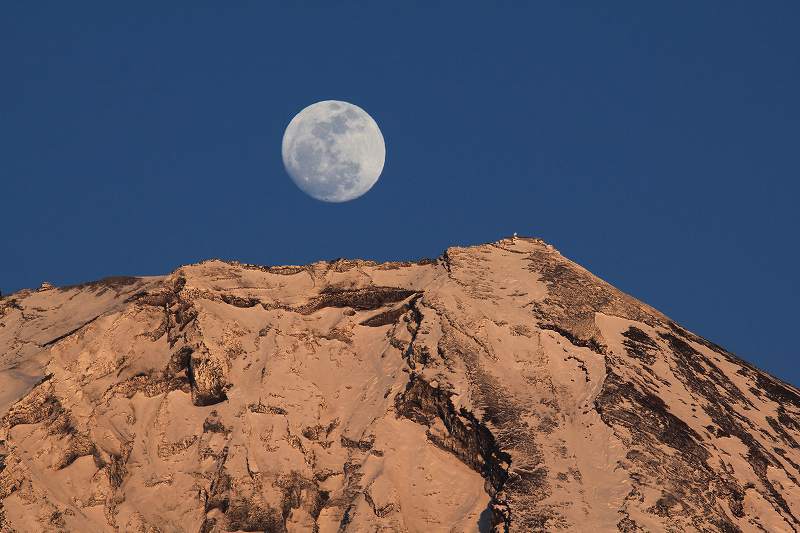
(333, 151)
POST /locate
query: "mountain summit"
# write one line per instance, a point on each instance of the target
(500, 387)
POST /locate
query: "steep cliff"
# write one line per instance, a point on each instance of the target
(498, 388)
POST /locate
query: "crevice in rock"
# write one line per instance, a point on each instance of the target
(117, 468)
(387, 317)
(319, 433)
(380, 512)
(366, 299)
(150, 384)
(363, 445)
(262, 409)
(213, 424)
(69, 333)
(469, 440)
(79, 445)
(238, 301)
(590, 343)
(581, 365)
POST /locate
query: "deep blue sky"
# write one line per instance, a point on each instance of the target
(656, 145)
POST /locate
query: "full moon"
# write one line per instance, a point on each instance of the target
(333, 151)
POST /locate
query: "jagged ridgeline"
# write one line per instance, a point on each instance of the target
(498, 388)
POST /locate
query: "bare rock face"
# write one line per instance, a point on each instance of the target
(498, 388)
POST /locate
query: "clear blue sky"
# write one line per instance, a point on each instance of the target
(657, 145)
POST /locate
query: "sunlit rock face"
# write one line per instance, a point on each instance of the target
(499, 387)
(333, 151)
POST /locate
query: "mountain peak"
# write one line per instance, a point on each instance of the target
(499, 387)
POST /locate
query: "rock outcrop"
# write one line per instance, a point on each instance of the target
(498, 388)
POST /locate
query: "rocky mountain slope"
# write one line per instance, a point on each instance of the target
(498, 388)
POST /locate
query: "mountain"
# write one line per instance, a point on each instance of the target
(500, 387)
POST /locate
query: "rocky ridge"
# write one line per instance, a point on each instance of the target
(500, 387)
